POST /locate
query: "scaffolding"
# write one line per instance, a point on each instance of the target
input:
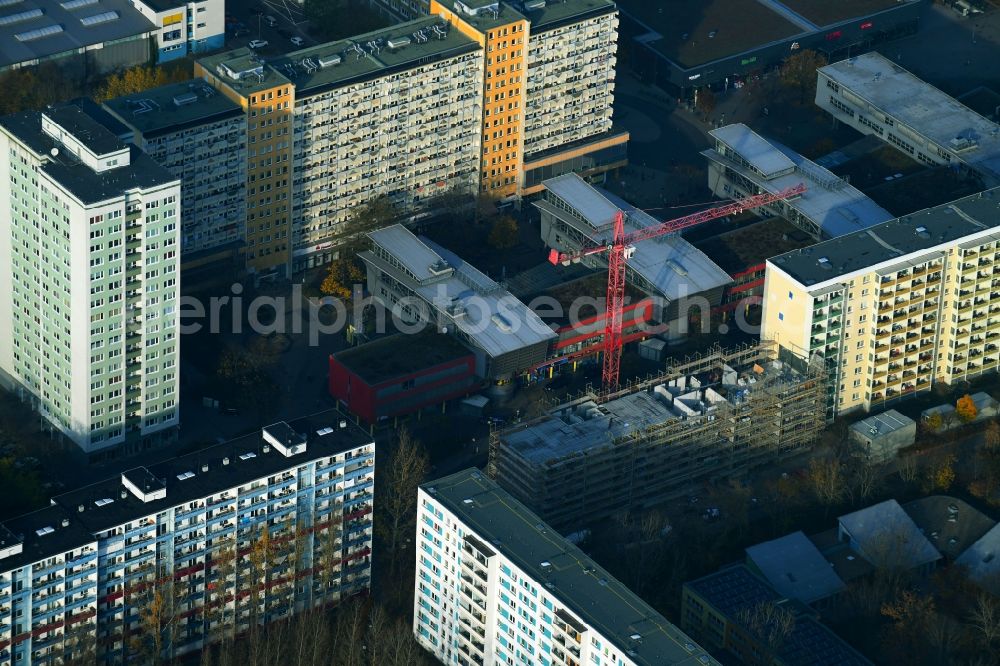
(774, 411)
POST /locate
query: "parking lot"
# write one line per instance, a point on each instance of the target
(273, 21)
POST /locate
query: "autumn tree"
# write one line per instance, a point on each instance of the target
(403, 471)
(940, 474)
(34, 88)
(504, 234)
(911, 616)
(341, 277)
(140, 78)
(798, 73)
(965, 408)
(706, 101)
(933, 422)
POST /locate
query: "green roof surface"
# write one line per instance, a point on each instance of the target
(587, 590)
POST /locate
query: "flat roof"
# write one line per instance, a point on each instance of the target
(492, 318)
(78, 178)
(668, 21)
(825, 12)
(796, 568)
(556, 13)
(736, 588)
(401, 354)
(674, 267)
(883, 424)
(911, 238)
(370, 55)
(754, 244)
(68, 32)
(241, 468)
(833, 204)
(256, 73)
(887, 536)
(587, 590)
(925, 109)
(42, 535)
(94, 136)
(484, 19)
(174, 107)
(582, 425)
(951, 524)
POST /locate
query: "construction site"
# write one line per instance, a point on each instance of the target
(712, 416)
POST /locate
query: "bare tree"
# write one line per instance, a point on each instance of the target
(403, 471)
(908, 468)
(769, 623)
(827, 481)
(985, 621)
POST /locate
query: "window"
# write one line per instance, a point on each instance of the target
(781, 316)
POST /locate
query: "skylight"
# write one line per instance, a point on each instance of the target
(104, 502)
(32, 35)
(45, 530)
(11, 19)
(97, 19)
(184, 476)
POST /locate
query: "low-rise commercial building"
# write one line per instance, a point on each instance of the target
(722, 609)
(684, 46)
(496, 585)
(895, 308)
(200, 136)
(679, 277)
(744, 164)
(879, 438)
(400, 374)
(876, 96)
(243, 533)
(422, 283)
(185, 27)
(714, 417)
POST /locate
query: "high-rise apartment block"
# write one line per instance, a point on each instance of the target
(496, 585)
(207, 545)
(89, 263)
(479, 99)
(200, 136)
(895, 308)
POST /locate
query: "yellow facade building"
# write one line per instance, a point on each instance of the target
(896, 308)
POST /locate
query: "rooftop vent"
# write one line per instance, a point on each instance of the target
(225, 461)
(922, 232)
(328, 61)
(204, 468)
(399, 42)
(186, 98)
(65, 522)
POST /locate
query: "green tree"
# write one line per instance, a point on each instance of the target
(504, 234)
(798, 73)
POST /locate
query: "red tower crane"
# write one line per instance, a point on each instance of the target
(621, 248)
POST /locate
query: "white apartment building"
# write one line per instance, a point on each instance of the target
(495, 585)
(89, 263)
(246, 532)
(398, 115)
(896, 308)
(571, 76)
(199, 136)
(876, 96)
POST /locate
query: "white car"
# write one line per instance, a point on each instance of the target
(297, 41)
(257, 43)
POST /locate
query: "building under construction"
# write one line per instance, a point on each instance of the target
(716, 415)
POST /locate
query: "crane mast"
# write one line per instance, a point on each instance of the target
(620, 250)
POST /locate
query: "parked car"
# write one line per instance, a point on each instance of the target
(298, 41)
(257, 43)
